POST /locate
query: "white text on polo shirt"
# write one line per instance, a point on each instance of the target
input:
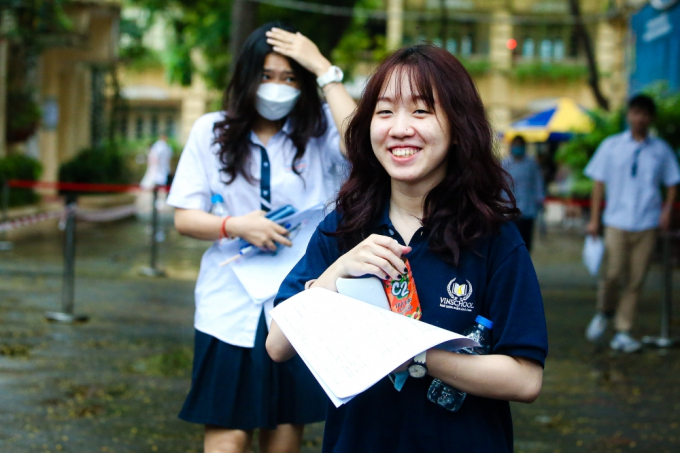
(459, 296)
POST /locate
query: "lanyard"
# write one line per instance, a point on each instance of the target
(636, 155)
(265, 180)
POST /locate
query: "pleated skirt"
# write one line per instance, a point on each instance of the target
(242, 388)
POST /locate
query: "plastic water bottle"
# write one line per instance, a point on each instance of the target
(218, 207)
(451, 398)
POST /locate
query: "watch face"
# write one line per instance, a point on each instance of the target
(337, 74)
(417, 370)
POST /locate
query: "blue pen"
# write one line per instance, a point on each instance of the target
(247, 250)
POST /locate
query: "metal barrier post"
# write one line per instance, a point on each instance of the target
(68, 283)
(5, 245)
(664, 339)
(153, 270)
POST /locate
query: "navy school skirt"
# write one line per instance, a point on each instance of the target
(242, 388)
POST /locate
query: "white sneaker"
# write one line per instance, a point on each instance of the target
(622, 341)
(597, 327)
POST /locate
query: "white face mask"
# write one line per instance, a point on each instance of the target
(276, 100)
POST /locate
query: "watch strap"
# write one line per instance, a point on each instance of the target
(421, 358)
(334, 74)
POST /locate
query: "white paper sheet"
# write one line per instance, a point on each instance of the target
(350, 345)
(593, 250)
(262, 274)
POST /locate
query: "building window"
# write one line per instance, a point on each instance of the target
(139, 127)
(451, 46)
(556, 42)
(123, 126)
(558, 50)
(154, 126)
(170, 126)
(528, 48)
(546, 50)
(466, 46)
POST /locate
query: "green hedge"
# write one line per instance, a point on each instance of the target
(100, 165)
(531, 72)
(20, 167)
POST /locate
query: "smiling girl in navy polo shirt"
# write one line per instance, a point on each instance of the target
(425, 185)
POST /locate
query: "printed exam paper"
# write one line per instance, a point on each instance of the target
(350, 345)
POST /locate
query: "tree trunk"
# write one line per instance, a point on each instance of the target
(243, 22)
(584, 39)
(444, 23)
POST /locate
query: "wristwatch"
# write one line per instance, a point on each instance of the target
(334, 74)
(417, 369)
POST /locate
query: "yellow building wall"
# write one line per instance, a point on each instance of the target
(65, 77)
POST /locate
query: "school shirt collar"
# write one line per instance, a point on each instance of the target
(384, 220)
(628, 137)
(385, 224)
(285, 130)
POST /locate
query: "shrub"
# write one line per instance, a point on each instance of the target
(99, 165)
(20, 167)
(533, 71)
(23, 116)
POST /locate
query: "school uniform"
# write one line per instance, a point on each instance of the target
(234, 383)
(500, 284)
(633, 173)
(527, 187)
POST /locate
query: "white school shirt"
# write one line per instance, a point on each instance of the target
(633, 202)
(158, 165)
(223, 308)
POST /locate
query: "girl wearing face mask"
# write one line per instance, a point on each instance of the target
(276, 143)
(526, 182)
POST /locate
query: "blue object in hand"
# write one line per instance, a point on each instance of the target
(280, 213)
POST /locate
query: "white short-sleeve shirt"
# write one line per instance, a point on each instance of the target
(223, 309)
(633, 202)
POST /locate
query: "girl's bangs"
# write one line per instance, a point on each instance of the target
(419, 82)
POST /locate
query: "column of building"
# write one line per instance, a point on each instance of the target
(3, 94)
(500, 58)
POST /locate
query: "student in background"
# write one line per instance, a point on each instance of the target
(527, 187)
(425, 186)
(276, 143)
(158, 164)
(631, 166)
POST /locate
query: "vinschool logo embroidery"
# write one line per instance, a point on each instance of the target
(459, 295)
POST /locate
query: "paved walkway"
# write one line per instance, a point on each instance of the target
(116, 383)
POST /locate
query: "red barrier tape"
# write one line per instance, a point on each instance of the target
(569, 201)
(78, 187)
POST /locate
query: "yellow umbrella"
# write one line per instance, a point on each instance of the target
(558, 123)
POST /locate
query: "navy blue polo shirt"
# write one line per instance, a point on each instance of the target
(501, 285)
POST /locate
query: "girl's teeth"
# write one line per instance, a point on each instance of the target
(403, 152)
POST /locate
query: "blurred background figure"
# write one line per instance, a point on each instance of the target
(157, 164)
(527, 187)
(632, 166)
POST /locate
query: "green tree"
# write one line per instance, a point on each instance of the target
(205, 25)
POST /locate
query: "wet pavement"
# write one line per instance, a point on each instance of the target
(116, 383)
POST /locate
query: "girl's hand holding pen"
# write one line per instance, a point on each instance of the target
(258, 230)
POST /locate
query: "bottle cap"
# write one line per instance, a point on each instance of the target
(217, 198)
(485, 322)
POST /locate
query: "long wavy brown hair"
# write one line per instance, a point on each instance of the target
(233, 133)
(472, 200)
